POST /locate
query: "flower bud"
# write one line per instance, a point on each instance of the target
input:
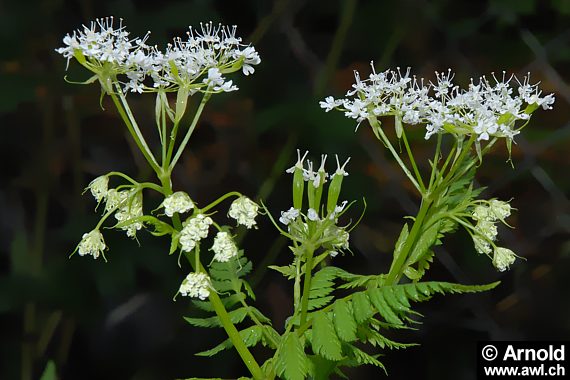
(196, 285)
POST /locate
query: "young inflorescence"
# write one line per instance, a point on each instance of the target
(197, 62)
(488, 107)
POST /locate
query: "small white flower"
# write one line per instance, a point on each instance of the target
(481, 245)
(114, 199)
(330, 103)
(224, 247)
(333, 253)
(289, 215)
(131, 208)
(503, 258)
(92, 243)
(179, 202)
(99, 187)
(487, 229)
(481, 212)
(312, 215)
(500, 209)
(244, 210)
(196, 285)
(194, 230)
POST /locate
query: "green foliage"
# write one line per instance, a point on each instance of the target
(292, 362)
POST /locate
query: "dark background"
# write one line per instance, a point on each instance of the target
(117, 320)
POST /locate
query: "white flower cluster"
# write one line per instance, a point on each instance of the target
(197, 63)
(127, 204)
(178, 202)
(289, 215)
(503, 258)
(224, 247)
(99, 187)
(194, 230)
(486, 108)
(196, 285)
(244, 211)
(131, 207)
(92, 243)
(487, 215)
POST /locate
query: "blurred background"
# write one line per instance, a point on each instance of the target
(117, 320)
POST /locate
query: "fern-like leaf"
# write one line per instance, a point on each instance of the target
(237, 316)
(250, 336)
(344, 322)
(291, 363)
(324, 340)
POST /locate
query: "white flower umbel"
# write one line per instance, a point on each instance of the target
(99, 187)
(503, 258)
(488, 107)
(224, 247)
(194, 230)
(244, 211)
(198, 62)
(289, 215)
(179, 202)
(92, 243)
(196, 285)
(115, 199)
(130, 209)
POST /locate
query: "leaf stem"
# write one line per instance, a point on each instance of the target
(188, 133)
(125, 113)
(378, 129)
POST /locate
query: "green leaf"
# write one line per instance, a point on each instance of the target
(361, 307)
(325, 342)
(292, 363)
(236, 316)
(344, 322)
(362, 357)
(288, 271)
(377, 298)
(49, 372)
(250, 336)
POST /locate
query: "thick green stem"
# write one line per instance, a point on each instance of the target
(397, 268)
(310, 250)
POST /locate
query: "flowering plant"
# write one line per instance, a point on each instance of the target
(334, 312)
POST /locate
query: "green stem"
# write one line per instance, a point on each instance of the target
(219, 200)
(217, 304)
(376, 126)
(413, 162)
(307, 284)
(397, 267)
(189, 132)
(435, 160)
(126, 115)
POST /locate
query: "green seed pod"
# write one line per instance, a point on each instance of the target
(298, 180)
(320, 182)
(181, 103)
(335, 186)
